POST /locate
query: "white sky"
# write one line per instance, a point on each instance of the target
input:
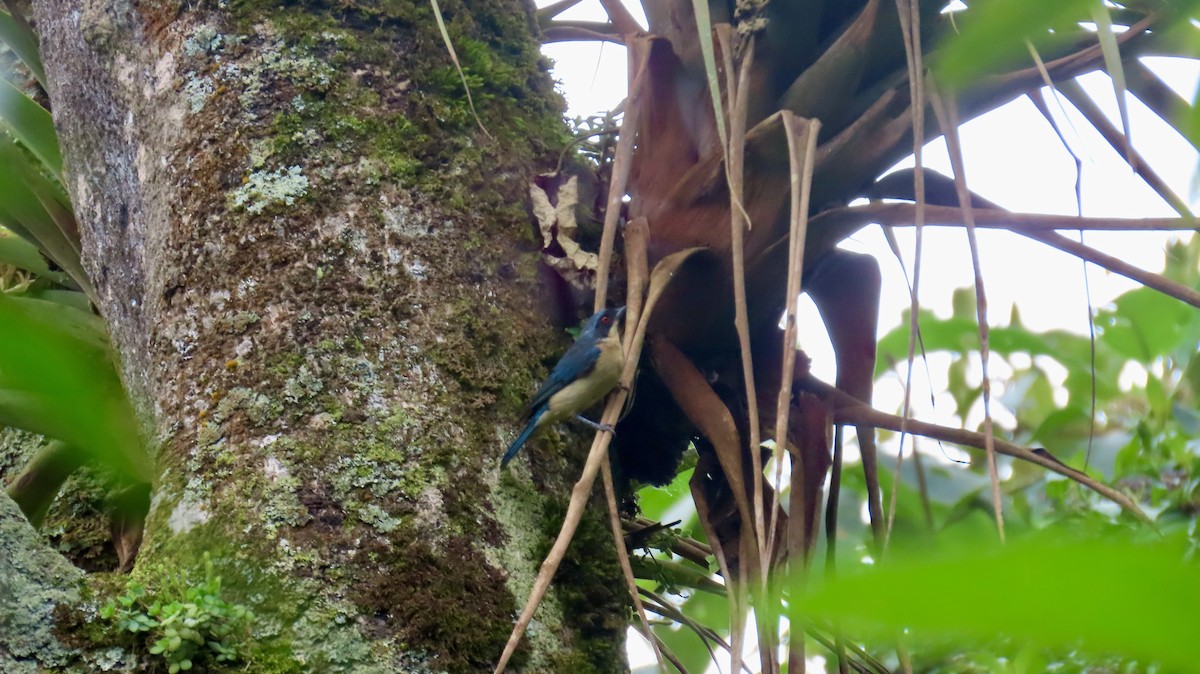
(1013, 157)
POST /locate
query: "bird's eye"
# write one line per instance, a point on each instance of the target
(605, 319)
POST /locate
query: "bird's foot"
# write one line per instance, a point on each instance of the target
(597, 426)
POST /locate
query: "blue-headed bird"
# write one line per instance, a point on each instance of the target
(584, 375)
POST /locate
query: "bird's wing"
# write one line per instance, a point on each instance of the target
(575, 363)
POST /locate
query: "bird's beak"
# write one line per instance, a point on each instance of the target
(620, 314)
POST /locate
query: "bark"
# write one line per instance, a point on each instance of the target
(321, 282)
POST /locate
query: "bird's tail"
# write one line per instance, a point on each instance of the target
(529, 429)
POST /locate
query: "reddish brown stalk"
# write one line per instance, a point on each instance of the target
(802, 142)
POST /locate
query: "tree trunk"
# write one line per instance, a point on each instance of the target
(320, 280)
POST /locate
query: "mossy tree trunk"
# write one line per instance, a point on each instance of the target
(320, 279)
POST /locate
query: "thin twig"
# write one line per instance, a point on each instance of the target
(922, 486)
(831, 534)
(910, 28)
(737, 97)
(904, 215)
(1159, 282)
(947, 115)
(802, 145)
(1088, 108)
(738, 223)
(735, 590)
(614, 520)
(639, 60)
(848, 409)
(567, 32)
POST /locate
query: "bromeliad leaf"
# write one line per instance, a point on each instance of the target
(57, 378)
(23, 43)
(31, 124)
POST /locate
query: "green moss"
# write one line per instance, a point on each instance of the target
(36, 582)
(78, 522)
(589, 585)
(297, 628)
(338, 72)
(471, 622)
(240, 321)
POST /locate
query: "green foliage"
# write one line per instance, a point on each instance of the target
(185, 623)
(992, 33)
(57, 373)
(57, 379)
(31, 124)
(23, 43)
(1059, 590)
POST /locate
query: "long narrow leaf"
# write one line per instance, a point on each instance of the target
(704, 29)
(23, 43)
(31, 124)
(25, 195)
(17, 252)
(1112, 63)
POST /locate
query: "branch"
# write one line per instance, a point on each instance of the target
(848, 409)
(1159, 282)
(1034, 226)
(904, 215)
(580, 31)
(545, 14)
(620, 17)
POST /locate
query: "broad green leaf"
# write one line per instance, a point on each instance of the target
(705, 609)
(1145, 324)
(70, 298)
(31, 124)
(993, 34)
(657, 503)
(19, 253)
(1106, 594)
(24, 44)
(57, 378)
(961, 335)
(36, 209)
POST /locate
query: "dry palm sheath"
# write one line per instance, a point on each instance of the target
(584, 375)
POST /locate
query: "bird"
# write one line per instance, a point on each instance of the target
(584, 375)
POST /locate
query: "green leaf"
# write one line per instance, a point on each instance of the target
(31, 124)
(21, 254)
(37, 210)
(1109, 594)
(1146, 324)
(1112, 64)
(657, 502)
(57, 378)
(23, 43)
(992, 35)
